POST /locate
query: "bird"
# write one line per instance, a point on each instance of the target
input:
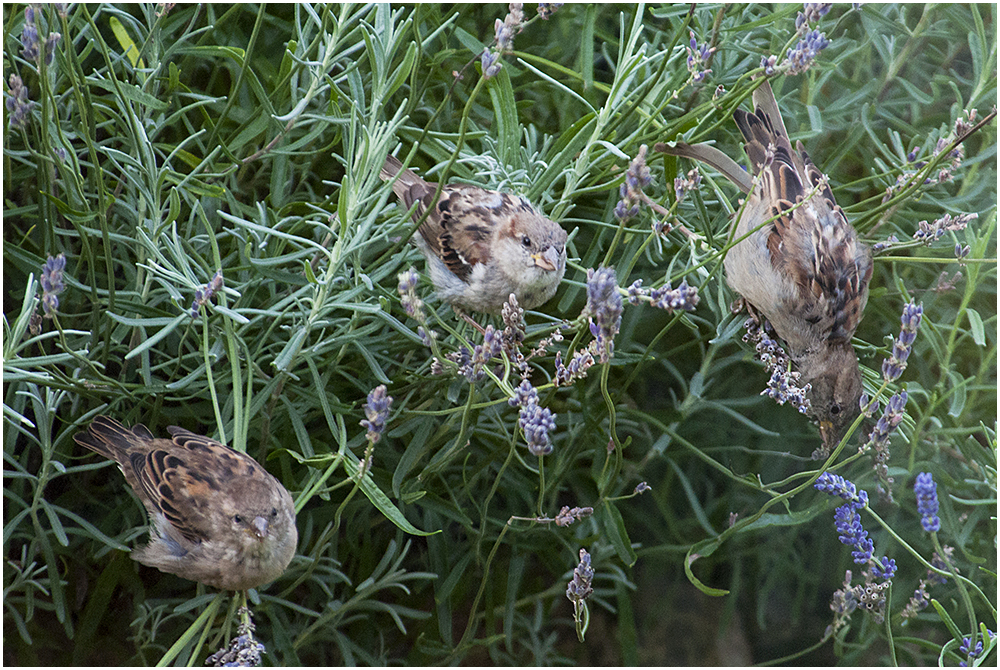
(217, 516)
(482, 246)
(804, 269)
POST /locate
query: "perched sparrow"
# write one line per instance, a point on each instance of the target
(218, 517)
(805, 269)
(481, 245)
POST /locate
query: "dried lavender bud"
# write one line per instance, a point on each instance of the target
(52, 284)
(376, 411)
(604, 305)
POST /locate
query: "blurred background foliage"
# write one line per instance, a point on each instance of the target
(162, 143)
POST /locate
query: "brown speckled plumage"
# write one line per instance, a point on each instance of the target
(218, 517)
(805, 271)
(482, 245)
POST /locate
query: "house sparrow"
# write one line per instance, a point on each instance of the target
(218, 517)
(482, 245)
(805, 270)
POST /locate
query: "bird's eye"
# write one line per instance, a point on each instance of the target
(274, 512)
(237, 518)
(835, 410)
(526, 241)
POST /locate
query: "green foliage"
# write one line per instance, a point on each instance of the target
(165, 144)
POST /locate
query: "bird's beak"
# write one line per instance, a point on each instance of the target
(259, 526)
(827, 433)
(547, 260)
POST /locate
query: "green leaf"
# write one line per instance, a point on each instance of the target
(163, 332)
(56, 524)
(384, 505)
(946, 618)
(614, 530)
(415, 448)
(976, 325)
(707, 590)
(505, 110)
(130, 50)
(130, 92)
(402, 72)
(958, 397)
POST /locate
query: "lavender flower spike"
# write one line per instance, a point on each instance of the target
(604, 304)
(893, 367)
(18, 103)
(579, 588)
(52, 283)
(376, 411)
(846, 518)
(927, 502)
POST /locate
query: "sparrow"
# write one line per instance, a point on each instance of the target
(217, 516)
(804, 269)
(482, 245)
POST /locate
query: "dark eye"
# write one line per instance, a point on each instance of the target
(274, 512)
(835, 410)
(237, 518)
(525, 241)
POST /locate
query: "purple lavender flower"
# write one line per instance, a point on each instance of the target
(927, 502)
(50, 47)
(698, 57)
(581, 361)
(884, 569)
(814, 11)
(836, 485)
(604, 304)
(29, 36)
(928, 233)
(407, 289)
(893, 367)
(490, 60)
(504, 32)
(637, 177)
(683, 298)
(846, 518)
(783, 385)
(850, 531)
(18, 103)
(971, 653)
(535, 421)
(243, 651)
(202, 296)
(690, 183)
(893, 414)
(802, 56)
(52, 283)
(918, 601)
(547, 9)
(962, 252)
(523, 395)
(33, 46)
(579, 588)
(879, 247)
(567, 516)
(770, 64)
(482, 354)
(635, 292)
(939, 562)
(376, 411)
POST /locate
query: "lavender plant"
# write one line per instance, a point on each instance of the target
(446, 477)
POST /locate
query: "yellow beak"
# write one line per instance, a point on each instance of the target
(547, 260)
